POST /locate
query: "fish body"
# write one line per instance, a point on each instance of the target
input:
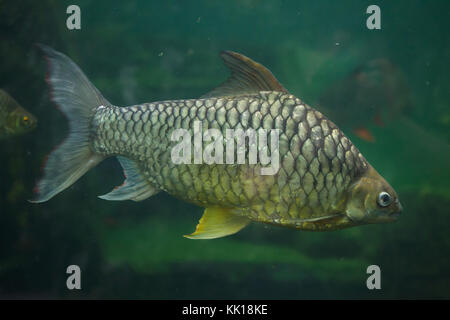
(322, 181)
(318, 162)
(14, 119)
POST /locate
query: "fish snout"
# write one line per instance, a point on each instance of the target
(397, 209)
(400, 207)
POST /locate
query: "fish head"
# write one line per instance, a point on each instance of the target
(372, 200)
(21, 121)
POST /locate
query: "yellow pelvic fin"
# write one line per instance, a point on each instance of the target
(217, 223)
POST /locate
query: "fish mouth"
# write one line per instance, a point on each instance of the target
(384, 217)
(394, 216)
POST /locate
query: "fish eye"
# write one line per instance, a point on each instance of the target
(26, 121)
(384, 199)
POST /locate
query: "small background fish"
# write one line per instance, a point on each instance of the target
(135, 250)
(14, 119)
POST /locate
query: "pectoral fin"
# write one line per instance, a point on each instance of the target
(217, 223)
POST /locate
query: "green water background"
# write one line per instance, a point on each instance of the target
(142, 51)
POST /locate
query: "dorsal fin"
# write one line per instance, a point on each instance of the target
(8, 102)
(247, 77)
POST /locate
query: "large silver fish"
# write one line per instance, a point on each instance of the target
(323, 181)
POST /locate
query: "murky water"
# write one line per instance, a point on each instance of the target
(388, 89)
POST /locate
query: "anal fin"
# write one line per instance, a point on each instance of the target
(217, 223)
(135, 186)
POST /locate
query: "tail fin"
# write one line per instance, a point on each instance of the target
(77, 98)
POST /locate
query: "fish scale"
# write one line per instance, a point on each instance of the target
(310, 180)
(321, 180)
